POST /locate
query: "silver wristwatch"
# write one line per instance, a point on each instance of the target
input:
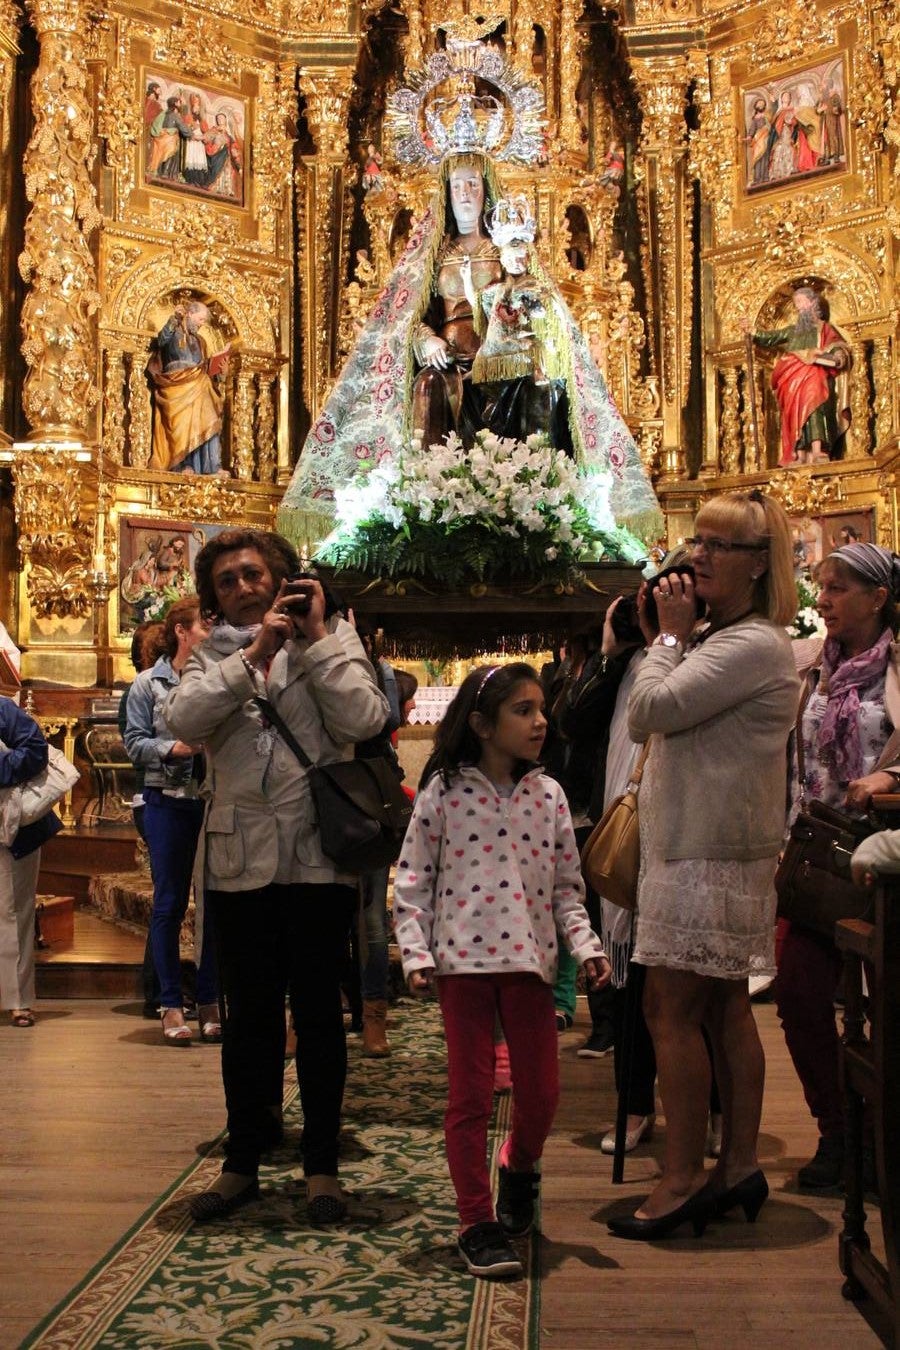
(668, 640)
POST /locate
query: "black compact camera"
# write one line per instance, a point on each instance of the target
(679, 569)
(333, 604)
(624, 621)
(300, 600)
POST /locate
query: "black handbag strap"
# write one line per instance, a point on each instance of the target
(271, 714)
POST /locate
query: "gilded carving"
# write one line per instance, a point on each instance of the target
(195, 44)
(315, 17)
(327, 94)
(730, 425)
(858, 435)
(663, 87)
(117, 263)
(199, 498)
(115, 107)
(800, 493)
(59, 389)
(140, 413)
(114, 407)
(882, 380)
(265, 430)
(242, 422)
(54, 537)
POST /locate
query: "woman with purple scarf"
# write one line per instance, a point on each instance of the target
(850, 706)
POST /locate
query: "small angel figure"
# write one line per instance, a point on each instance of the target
(518, 364)
(372, 179)
(613, 167)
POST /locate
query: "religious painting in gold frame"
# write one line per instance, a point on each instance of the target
(815, 536)
(794, 127)
(156, 565)
(193, 137)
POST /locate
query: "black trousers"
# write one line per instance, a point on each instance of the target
(277, 941)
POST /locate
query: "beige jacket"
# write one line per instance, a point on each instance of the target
(724, 712)
(260, 825)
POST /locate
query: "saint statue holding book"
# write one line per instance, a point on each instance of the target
(187, 376)
(811, 381)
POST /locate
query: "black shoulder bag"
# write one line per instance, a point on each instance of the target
(360, 804)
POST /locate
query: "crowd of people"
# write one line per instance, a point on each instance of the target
(696, 675)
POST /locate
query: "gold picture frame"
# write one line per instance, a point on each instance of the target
(194, 137)
(794, 126)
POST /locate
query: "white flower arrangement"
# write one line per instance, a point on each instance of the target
(808, 620)
(505, 508)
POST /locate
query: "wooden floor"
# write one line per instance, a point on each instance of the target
(99, 1116)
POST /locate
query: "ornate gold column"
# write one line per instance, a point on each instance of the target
(663, 85)
(730, 423)
(327, 94)
(59, 347)
(570, 45)
(9, 31)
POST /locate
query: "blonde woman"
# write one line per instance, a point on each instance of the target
(719, 701)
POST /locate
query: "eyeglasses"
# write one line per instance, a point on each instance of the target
(713, 546)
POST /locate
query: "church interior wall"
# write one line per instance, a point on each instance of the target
(664, 229)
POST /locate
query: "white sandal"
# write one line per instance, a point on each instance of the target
(178, 1033)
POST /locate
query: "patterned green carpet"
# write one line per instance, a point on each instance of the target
(390, 1279)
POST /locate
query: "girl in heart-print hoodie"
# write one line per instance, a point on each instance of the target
(488, 875)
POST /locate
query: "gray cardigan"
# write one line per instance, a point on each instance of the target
(724, 712)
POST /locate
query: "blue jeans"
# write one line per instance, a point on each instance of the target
(172, 826)
(374, 973)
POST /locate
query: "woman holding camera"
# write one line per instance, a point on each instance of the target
(719, 704)
(849, 708)
(281, 912)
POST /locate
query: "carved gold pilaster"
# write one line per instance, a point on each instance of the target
(663, 88)
(754, 453)
(59, 347)
(415, 38)
(9, 30)
(882, 379)
(114, 407)
(523, 34)
(570, 45)
(327, 94)
(265, 429)
(730, 423)
(242, 424)
(139, 412)
(858, 435)
(56, 531)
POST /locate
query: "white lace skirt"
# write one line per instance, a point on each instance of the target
(711, 916)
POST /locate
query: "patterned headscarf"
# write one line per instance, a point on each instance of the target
(878, 565)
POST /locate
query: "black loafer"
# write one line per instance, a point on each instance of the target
(209, 1205)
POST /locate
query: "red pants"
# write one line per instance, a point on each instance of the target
(469, 1004)
(809, 972)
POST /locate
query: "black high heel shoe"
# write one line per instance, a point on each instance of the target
(750, 1194)
(697, 1210)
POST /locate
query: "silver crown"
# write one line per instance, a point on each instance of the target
(427, 122)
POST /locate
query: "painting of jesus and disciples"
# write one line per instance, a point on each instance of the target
(193, 139)
(795, 126)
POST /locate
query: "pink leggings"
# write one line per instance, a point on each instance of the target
(469, 1004)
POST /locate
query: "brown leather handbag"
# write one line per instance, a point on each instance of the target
(611, 856)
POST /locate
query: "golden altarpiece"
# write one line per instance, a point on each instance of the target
(703, 161)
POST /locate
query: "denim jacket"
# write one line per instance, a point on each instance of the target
(148, 739)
